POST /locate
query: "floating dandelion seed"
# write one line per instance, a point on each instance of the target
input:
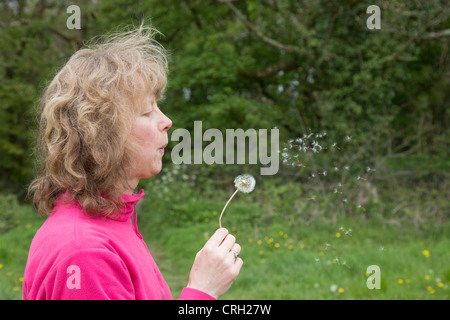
(244, 183)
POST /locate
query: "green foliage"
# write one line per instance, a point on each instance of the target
(298, 66)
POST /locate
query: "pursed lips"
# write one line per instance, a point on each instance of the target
(162, 148)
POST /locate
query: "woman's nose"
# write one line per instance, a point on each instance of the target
(166, 122)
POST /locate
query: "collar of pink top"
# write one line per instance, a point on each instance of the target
(129, 207)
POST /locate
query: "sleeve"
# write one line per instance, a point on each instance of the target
(194, 294)
(95, 274)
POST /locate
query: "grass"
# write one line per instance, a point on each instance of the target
(18, 227)
(282, 259)
(319, 261)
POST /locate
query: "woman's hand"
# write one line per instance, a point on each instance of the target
(216, 265)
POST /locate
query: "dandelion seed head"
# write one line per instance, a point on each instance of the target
(245, 183)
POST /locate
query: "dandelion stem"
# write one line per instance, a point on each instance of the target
(223, 210)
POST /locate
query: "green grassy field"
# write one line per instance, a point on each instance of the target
(316, 262)
(282, 260)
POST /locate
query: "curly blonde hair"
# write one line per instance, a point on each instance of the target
(86, 113)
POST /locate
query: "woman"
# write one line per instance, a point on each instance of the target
(101, 131)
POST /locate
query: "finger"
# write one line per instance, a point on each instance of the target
(236, 248)
(228, 243)
(238, 265)
(217, 238)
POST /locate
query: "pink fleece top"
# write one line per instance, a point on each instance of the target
(73, 257)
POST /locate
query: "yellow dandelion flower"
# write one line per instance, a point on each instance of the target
(426, 253)
(277, 245)
(338, 235)
(1, 266)
(440, 284)
(285, 236)
(290, 247)
(340, 290)
(250, 240)
(321, 253)
(427, 277)
(261, 252)
(301, 245)
(368, 274)
(259, 242)
(21, 279)
(28, 226)
(280, 233)
(400, 281)
(262, 260)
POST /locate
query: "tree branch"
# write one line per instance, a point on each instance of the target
(272, 69)
(437, 19)
(258, 33)
(195, 14)
(434, 35)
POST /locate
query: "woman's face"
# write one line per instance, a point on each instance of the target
(150, 131)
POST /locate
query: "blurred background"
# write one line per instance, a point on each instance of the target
(376, 192)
